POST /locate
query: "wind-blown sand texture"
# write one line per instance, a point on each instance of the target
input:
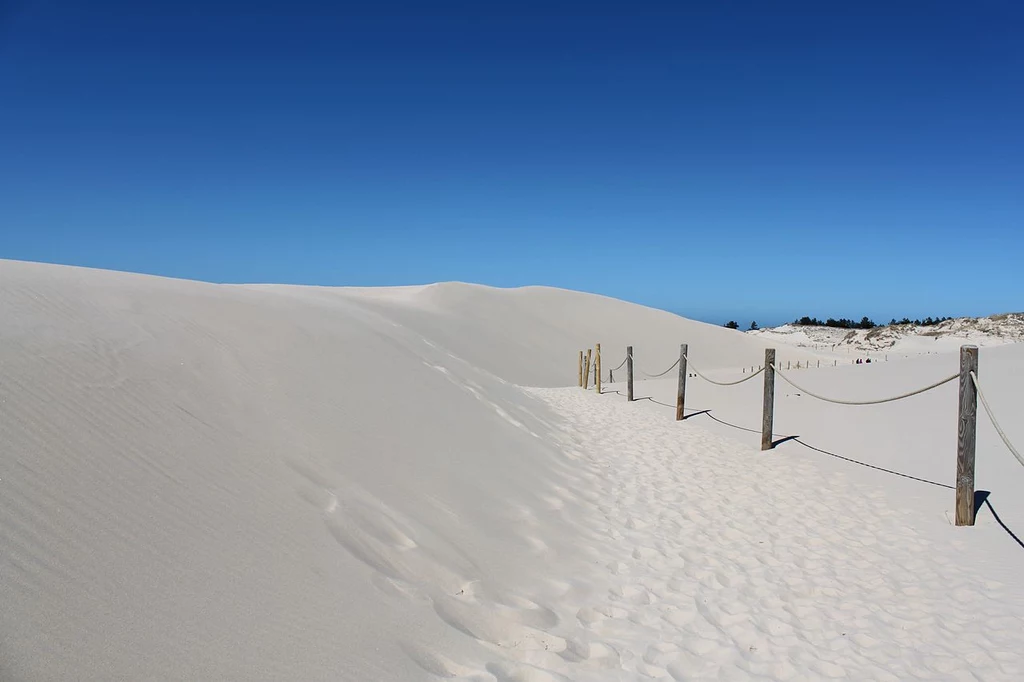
(213, 482)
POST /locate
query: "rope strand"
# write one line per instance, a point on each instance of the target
(655, 376)
(696, 371)
(865, 402)
(616, 369)
(992, 418)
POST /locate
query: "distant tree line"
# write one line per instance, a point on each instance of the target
(926, 322)
(843, 323)
(865, 322)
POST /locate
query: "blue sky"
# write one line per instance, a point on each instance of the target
(745, 160)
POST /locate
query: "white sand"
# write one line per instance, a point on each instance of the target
(284, 483)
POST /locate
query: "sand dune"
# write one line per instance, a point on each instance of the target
(530, 336)
(285, 483)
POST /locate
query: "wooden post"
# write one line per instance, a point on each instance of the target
(586, 371)
(681, 387)
(966, 432)
(581, 368)
(629, 374)
(597, 368)
(611, 376)
(768, 415)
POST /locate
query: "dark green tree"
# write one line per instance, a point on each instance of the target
(732, 324)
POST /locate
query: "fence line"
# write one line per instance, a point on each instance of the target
(970, 392)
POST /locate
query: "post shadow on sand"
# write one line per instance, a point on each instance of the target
(981, 497)
(638, 399)
(658, 402)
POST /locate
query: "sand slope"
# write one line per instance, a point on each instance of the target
(200, 482)
(280, 483)
(531, 336)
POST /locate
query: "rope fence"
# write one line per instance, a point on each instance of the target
(969, 393)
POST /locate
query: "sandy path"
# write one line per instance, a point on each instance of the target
(719, 562)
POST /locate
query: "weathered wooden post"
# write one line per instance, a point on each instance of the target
(611, 376)
(586, 371)
(629, 374)
(681, 387)
(768, 415)
(597, 368)
(966, 433)
(581, 368)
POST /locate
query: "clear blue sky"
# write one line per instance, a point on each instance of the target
(719, 159)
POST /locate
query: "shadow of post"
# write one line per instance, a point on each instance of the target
(981, 499)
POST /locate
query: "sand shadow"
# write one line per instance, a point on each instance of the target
(873, 466)
(981, 499)
(637, 399)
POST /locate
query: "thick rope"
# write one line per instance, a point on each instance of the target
(866, 402)
(720, 383)
(992, 418)
(616, 369)
(655, 376)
